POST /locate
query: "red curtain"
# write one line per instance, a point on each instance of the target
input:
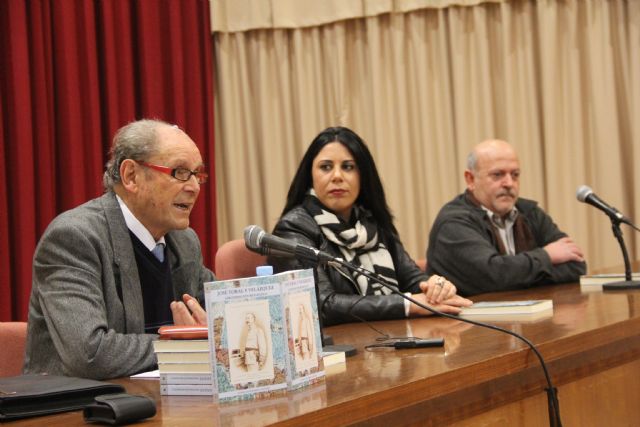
(71, 73)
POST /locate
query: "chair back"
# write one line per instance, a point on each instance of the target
(13, 336)
(234, 260)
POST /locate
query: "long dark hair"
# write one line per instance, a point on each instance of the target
(371, 195)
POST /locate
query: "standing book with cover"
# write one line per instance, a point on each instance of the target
(509, 310)
(264, 334)
(247, 337)
(303, 328)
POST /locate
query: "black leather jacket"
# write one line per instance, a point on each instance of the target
(340, 300)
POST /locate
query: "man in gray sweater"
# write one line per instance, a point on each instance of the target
(108, 273)
(488, 239)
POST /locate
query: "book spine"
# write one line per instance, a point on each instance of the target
(332, 358)
(184, 368)
(186, 379)
(183, 357)
(180, 346)
(186, 389)
(288, 337)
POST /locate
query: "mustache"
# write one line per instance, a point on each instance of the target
(507, 193)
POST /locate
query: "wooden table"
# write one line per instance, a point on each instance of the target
(481, 377)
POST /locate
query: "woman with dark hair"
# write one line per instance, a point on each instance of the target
(336, 203)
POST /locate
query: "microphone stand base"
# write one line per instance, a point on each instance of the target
(347, 349)
(621, 286)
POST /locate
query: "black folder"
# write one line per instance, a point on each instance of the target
(32, 395)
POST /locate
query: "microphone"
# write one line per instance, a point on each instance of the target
(257, 240)
(586, 195)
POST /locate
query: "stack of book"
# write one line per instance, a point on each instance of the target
(184, 366)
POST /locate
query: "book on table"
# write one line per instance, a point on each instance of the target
(333, 357)
(185, 378)
(183, 332)
(186, 384)
(183, 368)
(601, 279)
(334, 362)
(186, 389)
(183, 357)
(177, 346)
(509, 310)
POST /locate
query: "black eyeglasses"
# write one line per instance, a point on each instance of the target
(181, 174)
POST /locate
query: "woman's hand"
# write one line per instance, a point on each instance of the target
(450, 306)
(440, 294)
(437, 289)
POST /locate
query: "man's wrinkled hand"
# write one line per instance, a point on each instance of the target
(188, 312)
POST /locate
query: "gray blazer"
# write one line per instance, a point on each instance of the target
(86, 317)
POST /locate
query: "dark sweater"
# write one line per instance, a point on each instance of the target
(157, 289)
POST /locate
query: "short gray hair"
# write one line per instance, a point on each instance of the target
(136, 141)
(472, 161)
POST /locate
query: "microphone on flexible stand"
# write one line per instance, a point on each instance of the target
(258, 240)
(586, 195)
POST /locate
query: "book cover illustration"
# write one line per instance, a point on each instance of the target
(250, 343)
(303, 328)
(247, 337)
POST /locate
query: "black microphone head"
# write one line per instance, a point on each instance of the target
(258, 240)
(252, 236)
(583, 192)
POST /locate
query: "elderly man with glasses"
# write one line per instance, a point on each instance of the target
(108, 273)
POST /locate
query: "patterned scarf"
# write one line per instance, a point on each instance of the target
(359, 243)
(522, 235)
